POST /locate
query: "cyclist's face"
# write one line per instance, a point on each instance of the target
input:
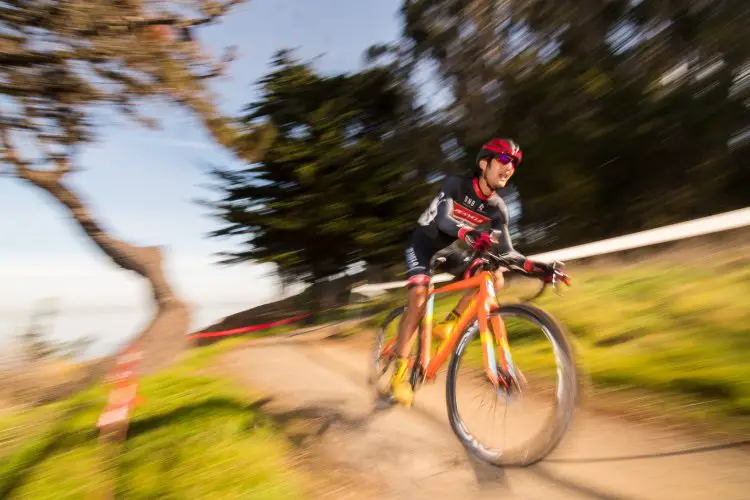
(497, 173)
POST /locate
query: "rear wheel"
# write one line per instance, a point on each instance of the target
(383, 356)
(561, 384)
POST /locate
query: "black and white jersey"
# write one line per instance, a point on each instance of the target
(460, 203)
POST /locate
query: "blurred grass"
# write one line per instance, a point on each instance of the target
(673, 329)
(195, 436)
(676, 328)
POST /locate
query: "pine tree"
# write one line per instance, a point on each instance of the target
(338, 184)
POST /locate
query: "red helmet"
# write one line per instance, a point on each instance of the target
(504, 149)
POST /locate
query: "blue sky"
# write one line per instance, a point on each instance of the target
(163, 171)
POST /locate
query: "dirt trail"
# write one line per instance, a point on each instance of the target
(401, 453)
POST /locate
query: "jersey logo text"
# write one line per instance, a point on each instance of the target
(466, 215)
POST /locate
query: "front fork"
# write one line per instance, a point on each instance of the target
(500, 338)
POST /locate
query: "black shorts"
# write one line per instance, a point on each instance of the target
(420, 253)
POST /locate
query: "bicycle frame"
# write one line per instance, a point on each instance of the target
(481, 305)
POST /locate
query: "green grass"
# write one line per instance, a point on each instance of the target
(680, 330)
(195, 436)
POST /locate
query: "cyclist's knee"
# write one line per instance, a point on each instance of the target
(417, 286)
(418, 282)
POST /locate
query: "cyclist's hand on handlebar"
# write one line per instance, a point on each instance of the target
(547, 272)
(550, 274)
(539, 269)
(478, 240)
(563, 277)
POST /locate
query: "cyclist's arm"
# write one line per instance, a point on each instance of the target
(501, 234)
(445, 222)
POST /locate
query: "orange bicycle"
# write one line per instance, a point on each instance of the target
(484, 318)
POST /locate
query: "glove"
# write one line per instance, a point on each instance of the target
(477, 240)
(539, 269)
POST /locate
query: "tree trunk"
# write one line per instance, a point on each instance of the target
(313, 307)
(166, 336)
(317, 293)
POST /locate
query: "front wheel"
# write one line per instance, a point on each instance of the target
(560, 383)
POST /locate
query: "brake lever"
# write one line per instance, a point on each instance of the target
(555, 287)
(556, 277)
(559, 276)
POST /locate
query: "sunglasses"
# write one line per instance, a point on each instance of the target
(505, 158)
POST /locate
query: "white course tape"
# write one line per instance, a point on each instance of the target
(706, 225)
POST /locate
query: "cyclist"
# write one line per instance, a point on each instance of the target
(456, 215)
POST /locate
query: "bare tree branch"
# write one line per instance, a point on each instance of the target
(10, 155)
(23, 170)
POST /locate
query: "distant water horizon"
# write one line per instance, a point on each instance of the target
(109, 327)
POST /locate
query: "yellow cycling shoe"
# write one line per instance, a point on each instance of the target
(401, 390)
